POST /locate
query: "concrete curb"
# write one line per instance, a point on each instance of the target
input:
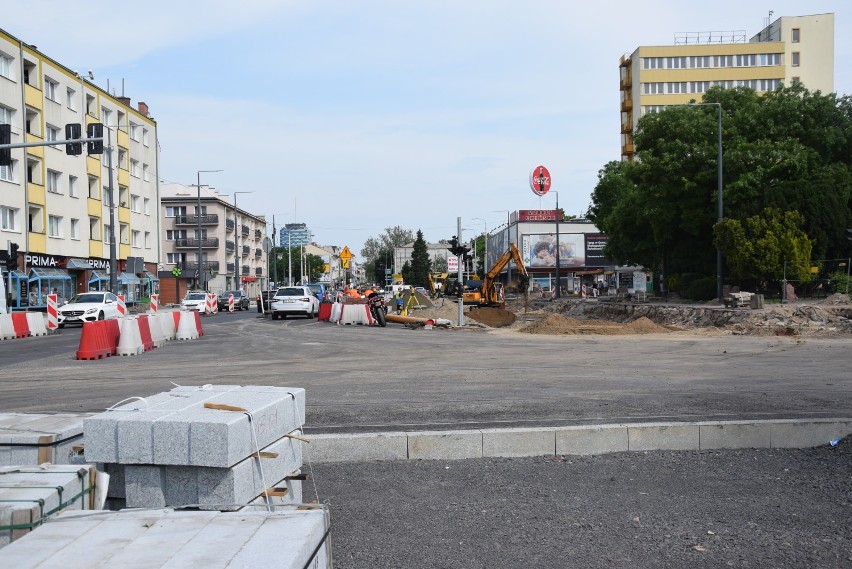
(574, 440)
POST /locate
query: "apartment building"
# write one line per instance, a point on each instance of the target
(231, 241)
(791, 49)
(57, 207)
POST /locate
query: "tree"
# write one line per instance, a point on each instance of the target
(407, 273)
(759, 247)
(393, 237)
(421, 265)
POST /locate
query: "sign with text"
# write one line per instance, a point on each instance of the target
(595, 243)
(540, 180)
(452, 264)
(537, 215)
(540, 250)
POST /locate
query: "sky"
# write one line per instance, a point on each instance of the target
(352, 117)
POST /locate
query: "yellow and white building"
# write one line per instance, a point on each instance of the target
(789, 50)
(55, 206)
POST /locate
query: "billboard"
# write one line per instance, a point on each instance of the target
(595, 243)
(540, 250)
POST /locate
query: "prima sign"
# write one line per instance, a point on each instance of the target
(35, 260)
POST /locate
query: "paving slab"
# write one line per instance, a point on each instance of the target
(35, 438)
(663, 436)
(445, 444)
(733, 434)
(591, 439)
(518, 442)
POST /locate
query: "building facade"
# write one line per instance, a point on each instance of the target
(789, 50)
(294, 235)
(57, 207)
(231, 241)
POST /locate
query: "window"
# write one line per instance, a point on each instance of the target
(134, 131)
(174, 234)
(134, 168)
(123, 233)
(9, 219)
(35, 219)
(122, 158)
(54, 226)
(53, 181)
(94, 229)
(145, 172)
(6, 115)
(7, 173)
(176, 258)
(120, 120)
(94, 188)
(6, 66)
(134, 238)
(71, 98)
(175, 211)
(145, 136)
(795, 55)
(134, 203)
(795, 80)
(51, 133)
(107, 233)
(75, 229)
(795, 35)
(106, 115)
(72, 186)
(50, 88)
(122, 196)
(147, 239)
(146, 206)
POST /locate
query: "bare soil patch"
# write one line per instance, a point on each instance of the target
(557, 324)
(493, 317)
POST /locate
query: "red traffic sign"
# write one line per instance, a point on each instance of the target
(540, 180)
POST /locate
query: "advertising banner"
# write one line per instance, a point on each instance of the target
(540, 250)
(595, 243)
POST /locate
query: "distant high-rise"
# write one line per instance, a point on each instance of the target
(790, 50)
(294, 235)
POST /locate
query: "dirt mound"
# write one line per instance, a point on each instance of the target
(494, 317)
(837, 298)
(558, 324)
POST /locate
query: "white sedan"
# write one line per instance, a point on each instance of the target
(294, 300)
(194, 301)
(88, 307)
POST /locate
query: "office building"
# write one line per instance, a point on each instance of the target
(294, 235)
(789, 50)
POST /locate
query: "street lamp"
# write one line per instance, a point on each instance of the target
(201, 283)
(720, 203)
(237, 284)
(558, 249)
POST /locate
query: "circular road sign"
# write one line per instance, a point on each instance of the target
(540, 180)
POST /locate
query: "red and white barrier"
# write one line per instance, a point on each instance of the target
(215, 303)
(186, 329)
(122, 307)
(35, 322)
(209, 304)
(583, 291)
(230, 303)
(52, 312)
(7, 327)
(130, 341)
(155, 303)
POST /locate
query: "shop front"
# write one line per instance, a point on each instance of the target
(46, 280)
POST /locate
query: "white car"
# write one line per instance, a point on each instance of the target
(294, 300)
(88, 307)
(194, 301)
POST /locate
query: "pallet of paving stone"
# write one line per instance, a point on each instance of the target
(157, 539)
(31, 494)
(36, 438)
(208, 488)
(179, 427)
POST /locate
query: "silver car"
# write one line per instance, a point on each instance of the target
(294, 300)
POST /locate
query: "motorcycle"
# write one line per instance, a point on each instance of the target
(378, 308)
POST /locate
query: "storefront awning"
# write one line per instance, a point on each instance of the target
(127, 278)
(151, 277)
(48, 273)
(79, 265)
(96, 276)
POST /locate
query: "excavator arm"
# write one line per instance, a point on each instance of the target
(511, 255)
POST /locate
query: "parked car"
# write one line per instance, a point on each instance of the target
(88, 307)
(318, 289)
(241, 301)
(294, 300)
(194, 300)
(265, 297)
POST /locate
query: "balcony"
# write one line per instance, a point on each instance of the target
(192, 267)
(229, 224)
(212, 243)
(231, 268)
(257, 234)
(210, 219)
(258, 253)
(230, 246)
(245, 230)
(246, 250)
(626, 127)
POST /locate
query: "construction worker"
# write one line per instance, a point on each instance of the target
(352, 292)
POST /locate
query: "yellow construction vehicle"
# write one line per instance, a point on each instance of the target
(438, 283)
(489, 292)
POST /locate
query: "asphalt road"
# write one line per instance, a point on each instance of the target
(378, 379)
(747, 508)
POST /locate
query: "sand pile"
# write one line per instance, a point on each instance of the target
(558, 324)
(494, 317)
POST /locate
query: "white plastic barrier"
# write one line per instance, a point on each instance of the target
(356, 314)
(167, 324)
(157, 337)
(186, 329)
(35, 320)
(336, 310)
(7, 327)
(130, 341)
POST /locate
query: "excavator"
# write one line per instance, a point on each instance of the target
(489, 292)
(438, 284)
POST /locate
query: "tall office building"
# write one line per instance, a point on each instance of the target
(790, 49)
(294, 235)
(56, 207)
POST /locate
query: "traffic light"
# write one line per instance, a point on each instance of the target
(73, 131)
(12, 262)
(95, 130)
(5, 138)
(454, 245)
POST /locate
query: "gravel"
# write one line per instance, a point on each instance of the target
(740, 508)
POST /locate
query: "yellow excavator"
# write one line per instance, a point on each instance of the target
(489, 292)
(438, 283)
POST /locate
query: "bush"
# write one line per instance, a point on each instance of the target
(703, 288)
(840, 282)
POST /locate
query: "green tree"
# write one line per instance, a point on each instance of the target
(407, 273)
(421, 265)
(758, 248)
(393, 237)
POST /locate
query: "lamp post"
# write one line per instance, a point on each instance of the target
(201, 283)
(237, 284)
(558, 248)
(720, 203)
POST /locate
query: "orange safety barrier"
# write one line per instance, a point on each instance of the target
(198, 324)
(113, 331)
(325, 312)
(176, 316)
(97, 340)
(145, 333)
(22, 327)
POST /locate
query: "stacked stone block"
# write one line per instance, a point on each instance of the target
(31, 438)
(214, 447)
